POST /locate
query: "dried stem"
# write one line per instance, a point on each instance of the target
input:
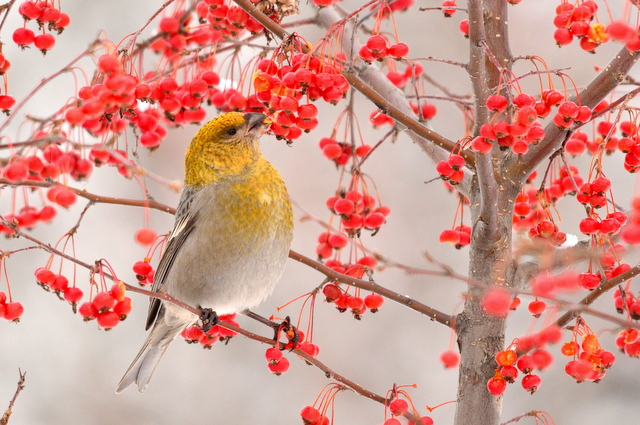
(7, 413)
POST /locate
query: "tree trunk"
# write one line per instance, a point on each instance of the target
(481, 335)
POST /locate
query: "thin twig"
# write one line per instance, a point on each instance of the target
(7, 413)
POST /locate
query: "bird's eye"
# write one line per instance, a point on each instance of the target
(231, 131)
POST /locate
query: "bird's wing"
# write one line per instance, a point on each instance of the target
(184, 225)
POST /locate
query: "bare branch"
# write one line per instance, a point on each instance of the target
(7, 413)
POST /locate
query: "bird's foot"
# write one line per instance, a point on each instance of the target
(289, 331)
(208, 318)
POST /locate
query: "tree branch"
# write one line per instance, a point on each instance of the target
(93, 197)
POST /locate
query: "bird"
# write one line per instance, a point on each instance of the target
(231, 238)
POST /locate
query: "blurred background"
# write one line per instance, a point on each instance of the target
(73, 368)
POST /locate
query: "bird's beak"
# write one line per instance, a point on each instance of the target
(257, 123)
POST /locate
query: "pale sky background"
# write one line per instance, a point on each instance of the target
(73, 368)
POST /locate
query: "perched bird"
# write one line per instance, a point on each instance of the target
(231, 238)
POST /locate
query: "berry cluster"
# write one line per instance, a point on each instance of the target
(342, 152)
(459, 236)
(59, 284)
(575, 21)
(357, 211)
(281, 88)
(590, 361)
(11, 310)
(108, 307)
(276, 362)
(194, 334)
(48, 17)
(345, 301)
(312, 416)
(628, 341)
(451, 169)
(510, 365)
(378, 48)
(524, 128)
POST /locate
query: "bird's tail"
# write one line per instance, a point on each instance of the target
(145, 363)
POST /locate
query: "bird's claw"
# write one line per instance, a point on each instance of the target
(290, 332)
(208, 318)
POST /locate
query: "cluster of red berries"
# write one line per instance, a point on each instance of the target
(590, 360)
(231, 20)
(547, 231)
(312, 416)
(355, 304)
(276, 362)
(28, 217)
(111, 102)
(525, 129)
(574, 20)
(12, 310)
(48, 17)
(459, 236)
(628, 341)
(53, 164)
(194, 334)
(358, 211)
(451, 169)
(631, 232)
(377, 48)
(59, 284)
(630, 304)
(281, 88)
(510, 365)
(144, 272)
(342, 152)
(108, 307)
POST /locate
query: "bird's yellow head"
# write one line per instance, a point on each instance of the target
(224, 147)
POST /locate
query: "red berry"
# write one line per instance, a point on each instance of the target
(108, 320)
(13, 311)
(310, 348)
(44, 42)
(123, 308)
(332, 292)
(496, 302)
(310, 415)
(506, 357)
(526, 364)
(537, 307)
(103, 301)
(279, 367)
(145, 236)
(344, 207)
(450, 358)
(373, 302)
(23, 36)
(496, 385)
(44, 275)
(398, 50)
(398, 407)
(531, 383)
(88, 311)
(73, 294)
